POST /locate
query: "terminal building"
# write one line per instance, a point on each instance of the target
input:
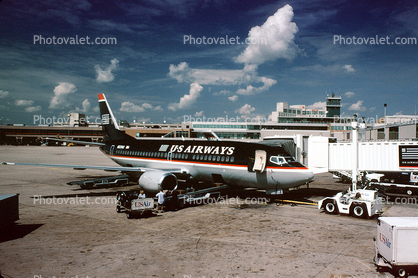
(286, 121)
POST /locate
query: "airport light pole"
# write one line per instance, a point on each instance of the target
(354, 127)
(384, 129)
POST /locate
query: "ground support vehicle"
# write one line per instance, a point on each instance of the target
(410, 189)
(119, 180)
(130, 204)
(359, 203)
(201, 197)
(396, 245)
(9, 209)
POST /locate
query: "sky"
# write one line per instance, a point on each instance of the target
(171, 61)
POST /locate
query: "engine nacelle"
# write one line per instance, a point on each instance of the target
(155, 181)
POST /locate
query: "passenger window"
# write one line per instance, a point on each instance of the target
(232, 159)
(227, 159)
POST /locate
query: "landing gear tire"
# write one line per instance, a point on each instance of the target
(358, 210)
(401, 272)
(330, 207)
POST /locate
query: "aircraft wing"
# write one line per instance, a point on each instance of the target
(105, 168)
(76, 141)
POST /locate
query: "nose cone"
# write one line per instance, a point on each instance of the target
(304, 177)
(309, 175)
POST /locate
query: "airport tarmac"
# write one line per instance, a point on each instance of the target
(64, 231)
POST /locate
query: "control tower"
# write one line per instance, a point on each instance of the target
(333, 106)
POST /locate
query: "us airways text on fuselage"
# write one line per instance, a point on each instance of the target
(202, 149)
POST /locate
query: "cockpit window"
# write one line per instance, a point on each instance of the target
(279, 160)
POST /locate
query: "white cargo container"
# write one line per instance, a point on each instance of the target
(397, 244)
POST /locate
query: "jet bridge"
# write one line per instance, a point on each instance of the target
(374, 156)
(325, 156)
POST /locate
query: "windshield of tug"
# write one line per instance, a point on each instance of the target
(285, 161)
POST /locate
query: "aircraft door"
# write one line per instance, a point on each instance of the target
(112, 149)
(169, 156)
(260, 160)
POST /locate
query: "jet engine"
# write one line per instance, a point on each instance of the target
(155, 181)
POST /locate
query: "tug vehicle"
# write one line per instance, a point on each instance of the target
(359, 203)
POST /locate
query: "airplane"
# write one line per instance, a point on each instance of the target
(159, 163)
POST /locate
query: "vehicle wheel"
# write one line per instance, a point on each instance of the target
(129, 215)
(330, 207)
(181, 204)
(358, 210)
(401, 272)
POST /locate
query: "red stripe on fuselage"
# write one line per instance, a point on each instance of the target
(205, 163)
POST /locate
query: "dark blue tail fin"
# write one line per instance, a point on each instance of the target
(111, 131)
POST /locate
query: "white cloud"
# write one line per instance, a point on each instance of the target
(147, 106)
(183, 73)
(32, 109)
(358, 106)
(86, 105)
(349, 94)
(223, 92)
(61, 91)
(245, 109)
(198, 114)
(106, 75)
(187, 100)
(317, 105)
(4, 94)
(130, 107)
(250, 90)
(233, 98)
(273, 40)
(23, 102)
(349, 68)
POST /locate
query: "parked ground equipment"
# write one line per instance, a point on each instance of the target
(130, 204)
(359, 203)
(396, 245)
